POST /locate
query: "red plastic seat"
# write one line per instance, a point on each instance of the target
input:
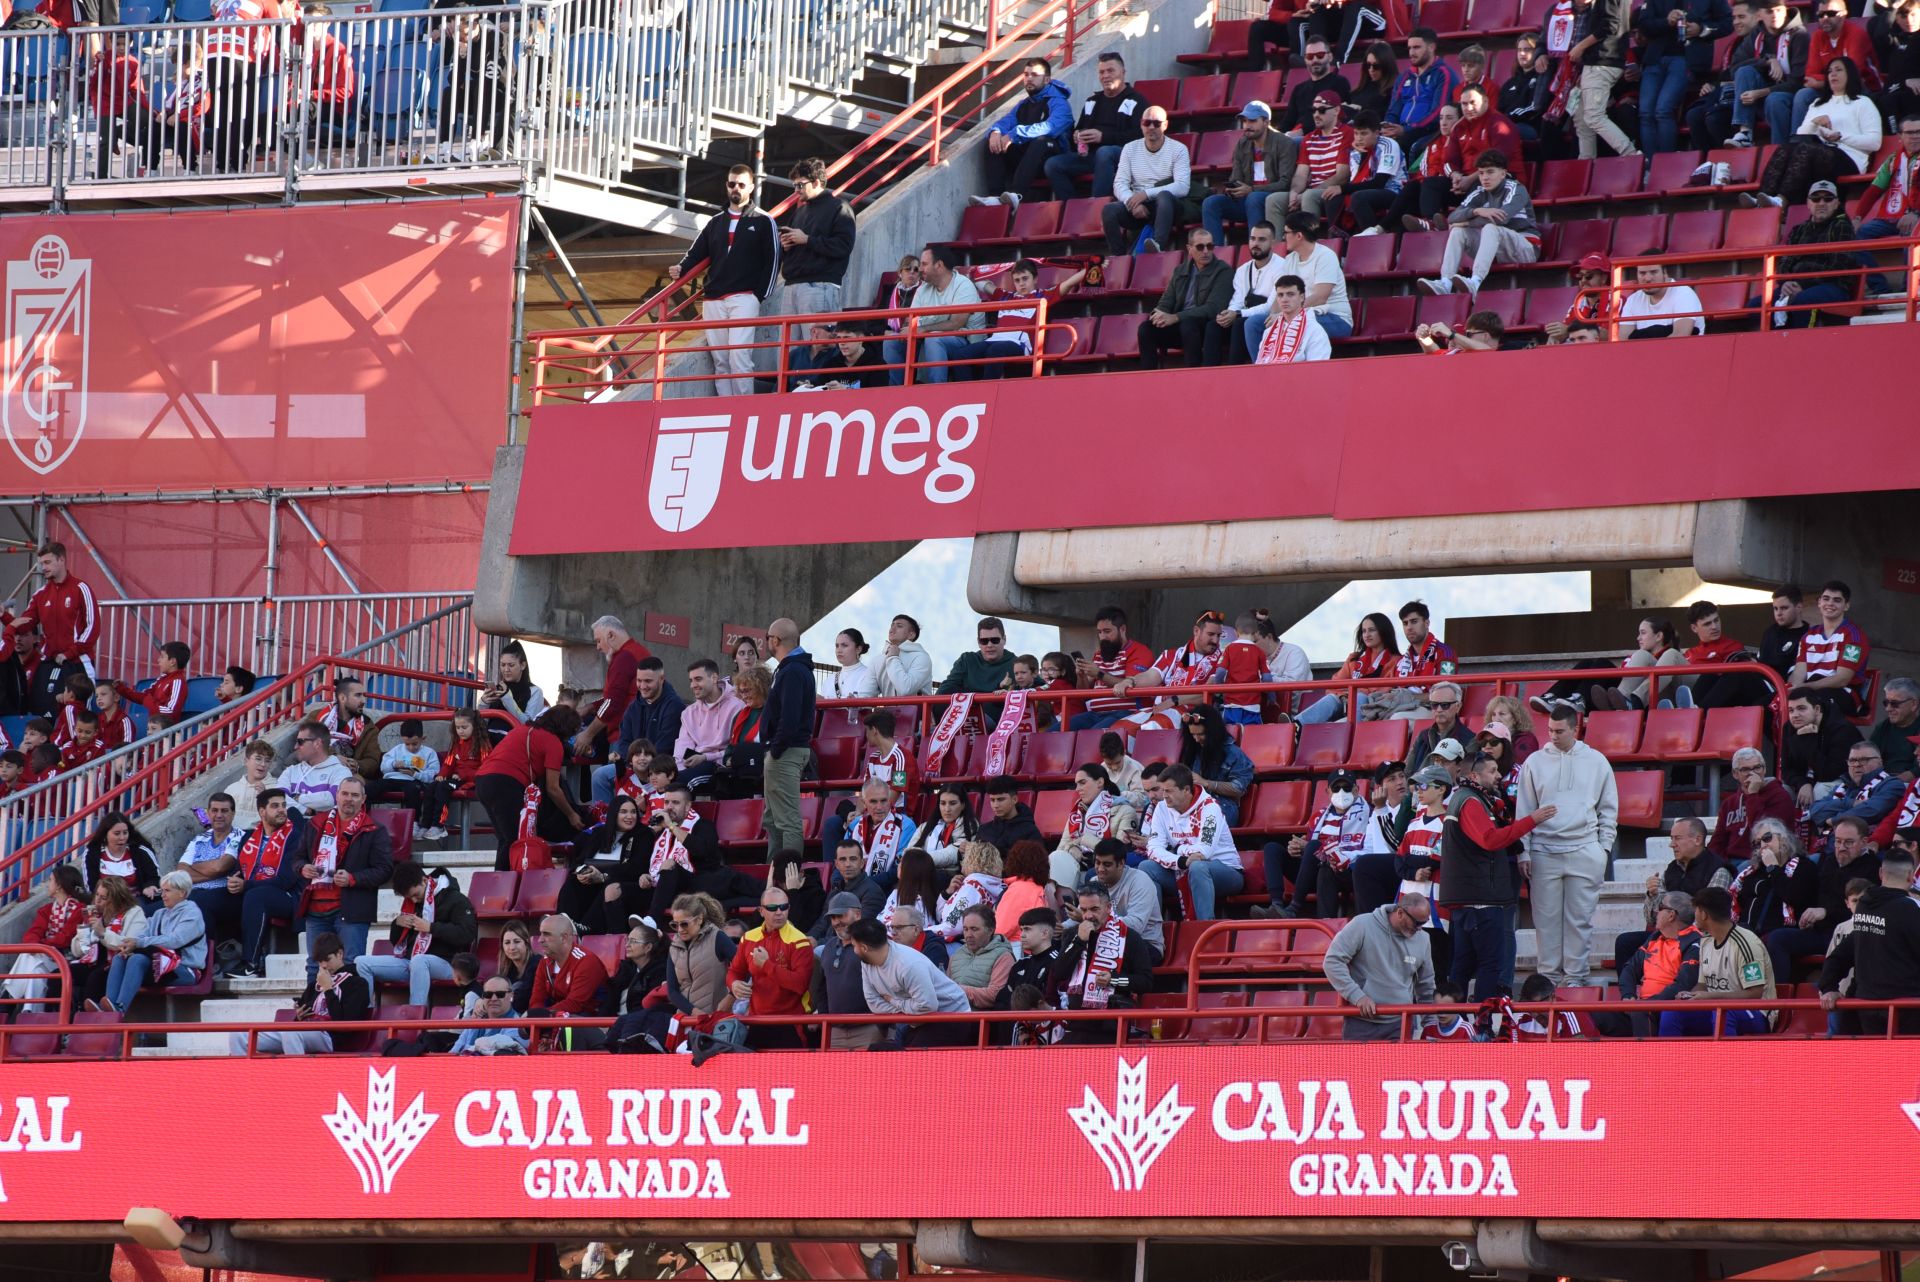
(841, 761)
(1118, 337)
(1203, 94)
(388, 1010)
(1582, 237)
(1081, 220)
(1117, 278)
(1219, 1028)
(1640, 234)
(98, 1045)
(1265, 86)
(1075, 341)
(1448, 17)
(1274, 1027)
(1388, 317)
(1034, 220)
(1050, 811)
(1614, 176)
(737, 825)
(1613, 734)
(1227, 43)
(1723, 297)
(1269, 747)
(1671, 172)
(1369, 256)
(981, 225)
(1670, 734)
(1507, 304)
(1420, 253)
(1550, 304)
(1742, 164)
(1163, 93)
(1324, 1027)
(608, 948)
(398, 821)
(1727, 730)
(1050, 758)
(1323, 747)
(1751, 228)
(1643, 796)
(492, 894)
(964, 762)
(1375, 742)
(1156, 745)
(1447, 309)
(1696, 231)
(539, 892)
(1276, 806)
(1216, 150)
(1562, 180)
(1533, 13)
(1152, 273)
(1490, 16)
(25, 1045)
(1086, 745)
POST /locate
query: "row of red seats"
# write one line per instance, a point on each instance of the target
(1455, 21)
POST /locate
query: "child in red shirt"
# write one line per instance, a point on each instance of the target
(166, 698)
(114, 89)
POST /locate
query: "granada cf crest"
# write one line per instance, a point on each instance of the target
(49, 314)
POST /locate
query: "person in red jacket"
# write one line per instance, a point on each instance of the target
(611, 638)
(773, 973)
(65, 613)
(54, 925)
(1482, 128)
(568, 976)
(1754, 796)
(331, 79)
(113, 87)
(166, 698)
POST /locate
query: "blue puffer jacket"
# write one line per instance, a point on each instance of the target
(1039, 116)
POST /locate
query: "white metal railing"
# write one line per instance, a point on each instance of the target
(280, 634)
(586, 90)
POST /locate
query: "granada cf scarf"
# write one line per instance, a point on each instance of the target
(667, 849)
(1011, 716)
(1101, 958)
(946, 731)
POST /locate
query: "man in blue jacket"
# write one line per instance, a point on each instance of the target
(1023, 140)
(786, 728)
(1429, 83)
(654, 715)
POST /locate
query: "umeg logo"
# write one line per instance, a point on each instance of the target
(1129, 1140)
(690, 454)
(379, 1143)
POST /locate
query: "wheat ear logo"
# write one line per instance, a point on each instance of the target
(380, 1143)
(1130, 1139)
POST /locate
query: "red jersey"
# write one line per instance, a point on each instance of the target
(1324, 153)
(623, 671)
(330, 74)
(1186, 666)
(245, 39)
(1131, 660)
(567, 986)
(1592, 307)
(75, 756)
(1422, 837)
(166, 697)
(1245, 664)
(113, 84)
(1433, 658)
(896, 768)
(68, 617)
(1721, 651)
(63, 725)
(117, 729)
(1825, 653)
(464, 757)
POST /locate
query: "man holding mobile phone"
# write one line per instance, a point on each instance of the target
(1253, 283)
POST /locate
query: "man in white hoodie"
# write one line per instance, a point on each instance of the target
(907, 668)
(1565, 859)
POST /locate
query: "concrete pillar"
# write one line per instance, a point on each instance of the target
(557, 598)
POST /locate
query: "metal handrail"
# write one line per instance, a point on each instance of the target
(62, 973)
(1769, 278)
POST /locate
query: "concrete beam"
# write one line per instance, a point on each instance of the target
(556, 598)
(952, 1244)
(1308, 549)
(1514, 1249)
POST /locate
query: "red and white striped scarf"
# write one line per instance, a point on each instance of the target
(1786, 870)
(1102, 957)
(1011, 716)
(1090, 820)
(880, 840)
(667, 849)
(1281, 343)
(947, 730)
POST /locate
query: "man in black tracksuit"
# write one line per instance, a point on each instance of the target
(741, 249)
(1882, 950)
(1109, 119)
(816, 243)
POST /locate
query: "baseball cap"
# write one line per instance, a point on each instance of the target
(1341, 781)
(1432, 776)
(1328, 98)
(1596, 263)
(637, 920)
(1823, 188)
(1256, 110)
(1498, 729)
(1450, 750)
(844, 902)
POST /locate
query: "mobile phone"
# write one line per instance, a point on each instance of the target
(201, 815)
(1079, 656)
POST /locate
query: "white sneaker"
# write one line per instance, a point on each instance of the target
(1010, 199)
(1371, 231)
(431, 834)
(977, 201)
(1433, 285)
(1468, 285)
(1741, 138)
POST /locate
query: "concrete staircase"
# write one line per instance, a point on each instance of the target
(243, 1000)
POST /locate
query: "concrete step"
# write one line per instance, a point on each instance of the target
(1527, 951)
(253, 1008)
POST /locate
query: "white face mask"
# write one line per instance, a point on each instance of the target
(1341, 800)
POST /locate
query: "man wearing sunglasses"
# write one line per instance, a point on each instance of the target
(1200, 290)
(741, 249)
(773, 973)
(981, 671)
(496, 1002)
(1826, 224)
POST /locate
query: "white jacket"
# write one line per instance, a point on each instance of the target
(1858, 121)
(1579, 784)
(1171, 834)
(909, 672)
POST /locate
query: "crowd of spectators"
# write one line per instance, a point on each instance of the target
(935, 898)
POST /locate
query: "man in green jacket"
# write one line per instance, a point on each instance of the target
(1201, 287)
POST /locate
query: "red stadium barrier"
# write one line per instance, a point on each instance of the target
(61, 976)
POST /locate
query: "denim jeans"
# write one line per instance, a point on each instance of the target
(602, 781)
(1097, 720)
(1102, 162)
(1327, 708)
(1208, 878)
(1699, 1023)
(1218, 208)
(418, 973)
(353, 935)
(127, 974)
(1663, 87)
(1482, 951)
(931, 350)
(801, 300)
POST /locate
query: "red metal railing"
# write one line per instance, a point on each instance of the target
(578, 357)
(1765, 283)
(920, 133)
(152, 787)
(60, 976)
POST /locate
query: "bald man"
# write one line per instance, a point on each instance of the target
(787, 730)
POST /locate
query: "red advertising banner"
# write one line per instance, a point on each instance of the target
(1539, 1130)
(364, 344)
(955, 459)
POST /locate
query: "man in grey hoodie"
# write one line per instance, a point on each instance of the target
(1382, 958)
(1565, 859)
(1493, 225)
